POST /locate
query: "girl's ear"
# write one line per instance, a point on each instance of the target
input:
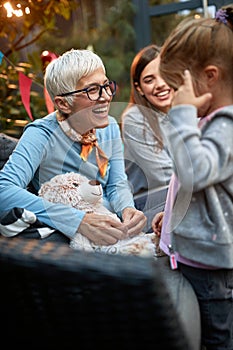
(212, 74)
(62, 104)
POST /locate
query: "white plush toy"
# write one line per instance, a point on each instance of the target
(79, 192)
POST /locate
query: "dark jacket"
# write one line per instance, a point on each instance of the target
(7, 145)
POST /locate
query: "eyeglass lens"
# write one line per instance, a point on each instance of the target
(95, 92)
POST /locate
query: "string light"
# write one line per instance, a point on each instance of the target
(18, 12)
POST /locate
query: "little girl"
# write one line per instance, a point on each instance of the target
(197, 230)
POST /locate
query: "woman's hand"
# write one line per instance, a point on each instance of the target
(135, 221)
(157, 223)
(102, 229)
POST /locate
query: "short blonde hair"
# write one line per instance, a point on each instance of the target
(63, 73)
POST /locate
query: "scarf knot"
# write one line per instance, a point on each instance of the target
(88, 141)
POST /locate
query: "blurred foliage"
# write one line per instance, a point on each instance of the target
(12, 111)
(112, 38)
(105, 26)
(21, 32)
(50, 26)
(115, 43)
(17, 34)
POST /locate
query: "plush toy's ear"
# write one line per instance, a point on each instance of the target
(91, 191)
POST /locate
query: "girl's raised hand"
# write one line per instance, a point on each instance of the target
(185, 94)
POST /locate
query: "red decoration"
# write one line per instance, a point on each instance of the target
(25, 87)
(46, 58)
(48, 102)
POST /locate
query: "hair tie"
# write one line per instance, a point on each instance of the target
(221, 16)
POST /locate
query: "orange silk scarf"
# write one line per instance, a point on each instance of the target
(88, 141)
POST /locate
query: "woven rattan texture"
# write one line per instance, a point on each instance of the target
(55, 297)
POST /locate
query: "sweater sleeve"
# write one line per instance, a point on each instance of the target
(141, 152)
(17, 174)
(201, 158)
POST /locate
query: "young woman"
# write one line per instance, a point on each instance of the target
(148, 163)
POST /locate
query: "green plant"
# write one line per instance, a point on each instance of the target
(16, 34)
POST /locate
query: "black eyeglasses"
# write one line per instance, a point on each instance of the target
(94, 92)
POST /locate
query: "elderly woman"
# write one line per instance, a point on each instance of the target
(80, 137)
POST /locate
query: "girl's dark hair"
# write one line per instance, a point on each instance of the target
(149, 112)
(197, 43)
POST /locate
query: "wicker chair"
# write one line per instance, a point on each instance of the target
(55, 297)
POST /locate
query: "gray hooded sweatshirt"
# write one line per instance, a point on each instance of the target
(202, 214)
